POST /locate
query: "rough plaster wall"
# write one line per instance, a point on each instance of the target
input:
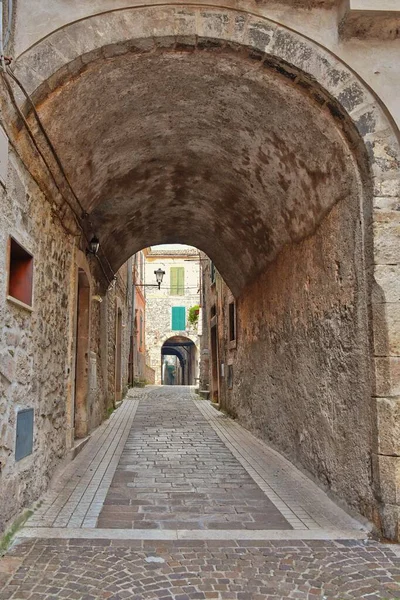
(97, 398)
(205, 350)
(117, 296)
(33, 346)
(301, 379)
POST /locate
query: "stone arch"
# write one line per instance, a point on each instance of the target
(55, 64)
(185, 348)
(64, 54)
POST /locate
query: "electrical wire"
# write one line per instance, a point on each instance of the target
(61, 167)
(36, 145)
(57, 159)
(54, 212)
(47, 138)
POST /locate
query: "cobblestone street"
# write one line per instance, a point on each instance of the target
(170, 499)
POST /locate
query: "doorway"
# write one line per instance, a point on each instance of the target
(118, 356)
(82, 356)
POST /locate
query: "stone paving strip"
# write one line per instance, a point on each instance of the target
(300, 500)
(202, 570)
(76, 497)
(175, 473)
(169, 466)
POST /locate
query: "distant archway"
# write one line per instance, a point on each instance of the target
(179, 361)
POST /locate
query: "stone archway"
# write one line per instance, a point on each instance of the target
(186, 351)
(272, 180)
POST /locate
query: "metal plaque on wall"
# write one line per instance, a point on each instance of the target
(24, 438)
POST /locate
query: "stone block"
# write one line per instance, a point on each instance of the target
(386, 240)
(185, 22)
(388, 279)
(387, 475)
(13, 338)
(387, 374)
(386, 203)
(260, 34)
(7, 366)
(390, 519)
(388, 416)
(393, 326)
(214, 24)
(386, 329)
(379, 327)
(387, 187)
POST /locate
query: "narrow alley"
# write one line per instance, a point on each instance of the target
(171, 499)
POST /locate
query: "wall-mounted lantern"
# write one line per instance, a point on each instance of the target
(94, 246)
(159, 276)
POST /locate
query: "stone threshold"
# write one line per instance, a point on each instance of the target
(78, 446)
(187, 534)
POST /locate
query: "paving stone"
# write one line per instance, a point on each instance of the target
(193, 570)
(172, 449)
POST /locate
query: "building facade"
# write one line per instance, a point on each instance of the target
(63, 342)
(172, 339)
(139, 371)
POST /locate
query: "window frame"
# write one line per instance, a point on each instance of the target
(232, 323)
(11, 274)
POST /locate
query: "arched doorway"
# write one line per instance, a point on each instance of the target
(118, 356)
(179, 362)
(82, 356)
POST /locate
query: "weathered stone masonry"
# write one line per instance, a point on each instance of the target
(228, 212)
(38, 347)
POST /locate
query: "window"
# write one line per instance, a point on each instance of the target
(230, 377)
(178, 318)
(232, 322)
(212, 271)
(20, 281)
(177, 281)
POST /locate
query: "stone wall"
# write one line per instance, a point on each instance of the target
(159, 305)
(37, 346)
(34, 344)
(150, 375)
(301, 368)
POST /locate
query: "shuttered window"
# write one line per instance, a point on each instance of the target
(178, 318)
(177, 281)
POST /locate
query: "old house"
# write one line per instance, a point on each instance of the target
(172, 339)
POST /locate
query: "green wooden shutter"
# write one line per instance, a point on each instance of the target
(177, 281)
(173, 281)
(181, 281)
(178, 318)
